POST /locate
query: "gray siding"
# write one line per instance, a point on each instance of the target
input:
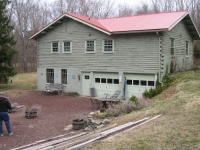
(132, 53)
(181, 60)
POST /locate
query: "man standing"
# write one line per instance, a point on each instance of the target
(4, 107)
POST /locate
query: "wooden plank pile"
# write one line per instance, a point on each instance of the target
(80, 140)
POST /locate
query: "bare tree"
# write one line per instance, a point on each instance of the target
(28, 17)
(125, 10)
(90, 8)
(143, 9)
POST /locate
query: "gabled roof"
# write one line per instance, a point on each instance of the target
(132, 24)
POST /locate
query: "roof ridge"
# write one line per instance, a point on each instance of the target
(143, 14)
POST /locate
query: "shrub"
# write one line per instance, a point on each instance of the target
(167, 81)
(127, 106)
(134, 99)
(113, 111)
(102, 115)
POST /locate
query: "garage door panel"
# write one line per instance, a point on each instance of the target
(137, 84)
(106, 83)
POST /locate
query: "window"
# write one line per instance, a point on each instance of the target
(67, 47)
(108, 46)
(90, 46)
(150, 83)
(116, 81)
(109, 81)
(50, 75)
(87, 77)
(136, 82)
(97, 80)
(172, 46)
(64, 76)
(187, 47)
(129, 82)
(143, 83)
(55, 47)
(103, 80)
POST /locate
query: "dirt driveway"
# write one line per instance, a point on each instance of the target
(57, 111)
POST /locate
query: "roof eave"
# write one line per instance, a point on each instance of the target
(40, 31)
(180, 19)
(138, 31)
(88, 24)
(74, 18)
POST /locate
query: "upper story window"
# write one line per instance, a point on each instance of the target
(50, 75)
(172, 46)
(108, 46)
(186, 47)
(67, 47)
(54, 47)
(90, 46)
(64, 76)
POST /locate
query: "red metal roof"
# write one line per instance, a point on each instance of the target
(136, 23)
(157, 21)
(88, 20)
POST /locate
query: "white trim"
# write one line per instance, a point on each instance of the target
(90, 52)
(181, 19)
(194, 25)
(107, 52)
(66, 15)
(141, 31)
(46, 26)
(67, 52)
(178, 21)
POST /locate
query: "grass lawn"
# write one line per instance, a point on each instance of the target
(22, 81)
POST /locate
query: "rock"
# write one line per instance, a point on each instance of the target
(106, 121)
(91, 114)
(100, 126)
(88, 129)
(68, 127)
(14, 105)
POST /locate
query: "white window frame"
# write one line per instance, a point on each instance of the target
(103, 45)
(186, 47)
(70, 47)
(52, 46)
(87, 47)
(172, 39)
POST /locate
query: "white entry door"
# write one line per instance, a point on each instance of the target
(86, 82)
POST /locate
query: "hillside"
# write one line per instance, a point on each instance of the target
(177, 128)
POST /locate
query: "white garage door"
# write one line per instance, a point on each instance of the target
(137, 83)
(106, 83)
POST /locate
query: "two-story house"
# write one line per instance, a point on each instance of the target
(126, 53)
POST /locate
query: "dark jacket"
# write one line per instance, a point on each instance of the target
(4, 104)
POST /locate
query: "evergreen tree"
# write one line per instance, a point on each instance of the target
(6, 43)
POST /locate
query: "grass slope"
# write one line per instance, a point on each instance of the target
(178, 127)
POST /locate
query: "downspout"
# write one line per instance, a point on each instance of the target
(159, 53)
